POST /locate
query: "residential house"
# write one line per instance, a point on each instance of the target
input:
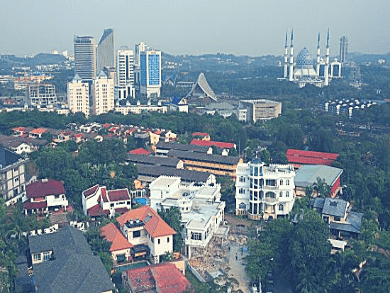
(37, 133)
(263, 191)
(202, 210)
(12, 176)
(63, 262)
(164, 278)
(44, 196)
(147, 232)
(201, 136)
(308, 175)
(224, 147)
(98, 201)
(120, 248)
(140, 151)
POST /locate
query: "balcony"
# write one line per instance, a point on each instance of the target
(271, 200)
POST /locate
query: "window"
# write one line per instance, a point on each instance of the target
(196, 236)
(241, 191)
(287, 182)
(242, 206)
(256, 195)
(46, 256)
(270, 182)
(167, 239)
(338, 219)
(287, 194)
(37, 256)
(281, 194)
(281, 207)
(158, 241)
(242, 179)
(281, 181)
(270, 194)
(137, 234)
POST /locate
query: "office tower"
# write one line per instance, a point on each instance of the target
(343, 49)
(85, 57)
(106, 50)
(42, 94)
(78, 96)
(150, 73)
(125, 73)
(139, 48)
(103, 94)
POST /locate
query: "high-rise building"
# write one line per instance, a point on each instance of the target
(85, 57)
(150, 73)
(139, 48)
(106, 50)
(343, 49)
(125, 73)
(103, 94)
(42, 94)
(78, 96)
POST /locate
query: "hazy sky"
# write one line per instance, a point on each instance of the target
(240, 27)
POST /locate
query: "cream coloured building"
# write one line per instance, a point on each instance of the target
(78, 96)
(103, 94)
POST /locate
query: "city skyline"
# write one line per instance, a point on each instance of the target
(249, 27)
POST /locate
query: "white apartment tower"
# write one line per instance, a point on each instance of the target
(125, 73)
(78, 96)
(262, 191)
(103, 94)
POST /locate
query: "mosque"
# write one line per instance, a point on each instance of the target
(305, 71)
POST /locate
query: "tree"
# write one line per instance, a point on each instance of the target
(173, 218)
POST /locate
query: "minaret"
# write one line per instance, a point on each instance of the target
(326, 73)
(318, 55)
(285, 58)
(291, 75)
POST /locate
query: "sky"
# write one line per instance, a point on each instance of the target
(196, 27)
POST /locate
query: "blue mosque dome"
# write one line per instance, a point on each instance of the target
(304, 58)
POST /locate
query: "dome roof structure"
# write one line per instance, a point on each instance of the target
(304, 58)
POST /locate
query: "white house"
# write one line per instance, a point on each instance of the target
(98, 201)
(202, 210)
(264, 191)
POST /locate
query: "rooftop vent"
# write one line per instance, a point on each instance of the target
(333, 203)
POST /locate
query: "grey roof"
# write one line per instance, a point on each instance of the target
(317, 203)
(185, 175)
(202, 84)
(352, 224)
(74, 267)
(226, 160)
(182, 147)
(8, 158)
(308, 174)
(151, 160)
(77, 78)
(334, 207)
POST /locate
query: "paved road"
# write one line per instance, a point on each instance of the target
(237, 267)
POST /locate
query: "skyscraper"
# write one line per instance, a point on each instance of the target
(85, 57)
(103, 94)
(343, 49)
(78, 96)
(125, 73)
(106, 50)
(150, 73)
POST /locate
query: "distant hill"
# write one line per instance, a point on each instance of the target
(373, 58)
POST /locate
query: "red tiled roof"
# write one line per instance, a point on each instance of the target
(310, 157)
(119, 194)
(164, 278)
(200, 134)
(44, 187)
(38, 131)
(158, 132)
(91, 190)
(78, 135)
(106, 125)
(218, 144)
(140, 151)
(112, 234)
(121, 210)
(96, 211)
(104, 194)
(20, 129)
(34, 205)
(155, 226)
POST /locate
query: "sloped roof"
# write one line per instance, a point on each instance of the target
(38, 131)
(97, 211)
(140, 151)
(8, 158)
(45, 187)
(226, 160)
(334, 207)
(164, 278)
(200, 134)
(91, 190)
(74, 269)
(353, 223)
(155, 225)
(112, 234)
(34, 205)
(310, 157)
(308, 174)
(203, 85)
(118, 194)
(209, 143)
(181, 146)
(169, 162)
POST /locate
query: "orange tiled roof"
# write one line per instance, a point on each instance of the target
(155, 226)
(38, 131)
(112, 234)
